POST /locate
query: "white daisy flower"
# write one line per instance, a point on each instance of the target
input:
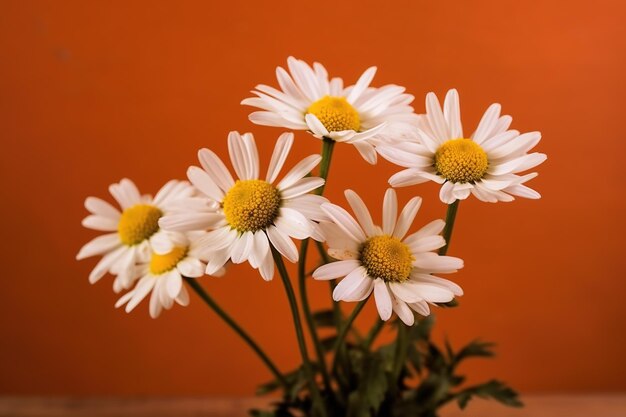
(163, 275)
(252, 212)
(485, 165)
(134, 231)
(397, 268)
(308, 100)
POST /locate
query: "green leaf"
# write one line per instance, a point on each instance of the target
(494, 389)
(324, 318)
(328, 343)
(422, 329)
(475, 348)
(449, 304)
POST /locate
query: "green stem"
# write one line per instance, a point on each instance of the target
(195, 285)
(447, 230)
(327, 154)
(336, 310)
(309, 316)
(371, 335)
(344, 331)
(401, 349)
(315, 393)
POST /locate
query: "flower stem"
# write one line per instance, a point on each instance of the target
(447, 230)
(401, 349)
(195, 285)
(315, 393)
(371, 335)
(308, 315)
(327, 153)
(344, 331)
(336, 311)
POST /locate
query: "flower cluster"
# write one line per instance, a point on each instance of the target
(194, 228)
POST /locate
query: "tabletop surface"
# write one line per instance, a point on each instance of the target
(599, 405)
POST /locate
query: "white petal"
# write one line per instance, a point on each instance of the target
(390, 211)
(406, 291)
(361, 212)
(432, 262)
(174, 283)
(403, 311)
(302, 186)
(315, 125)
(433, 228)
(217, 261)
(103, 224)
(361, 85)
(203, 182)
(242, 248)
(356, 286)
(523, 191)
(406, 217)
(126, 193)
(281, 150)
(283, 243)
(367, 151)
(335, 270)
(452, 114)
(383, 299)
(267, 267)
(421, 308)
(238, 155)
(143, 287)
(190, 221)
(446, 194)
(183, 297)
(103, 266)
(309, 205)
(214, 166)
(435, 118)
(487, 123)
(101, 208)
(345, 221)
(426, 243)
(218, 239)
(99, 245)
(252, 156)
(260, 249)
(441, 282)
(299, 171)
(293, 223)
(161, 242)
(191, 267)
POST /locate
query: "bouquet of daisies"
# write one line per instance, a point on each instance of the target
(158, 247)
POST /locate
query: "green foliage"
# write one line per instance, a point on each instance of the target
(415, 377)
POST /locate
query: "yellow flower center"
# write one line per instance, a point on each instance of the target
(138, 223)
(386, 257)
(251, 205)
(160, 264)
(461, 160)
(336, 114)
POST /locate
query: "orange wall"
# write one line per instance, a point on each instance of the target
(91, 92)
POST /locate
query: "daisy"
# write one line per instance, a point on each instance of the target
(163, 275)
(133, 232)
(396, 268)
(485, 165)
(308, 100)
(252, 213)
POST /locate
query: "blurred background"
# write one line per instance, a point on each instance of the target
(91, 92)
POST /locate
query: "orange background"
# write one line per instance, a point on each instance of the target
(91, 92)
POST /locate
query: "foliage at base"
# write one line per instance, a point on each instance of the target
(410, 376)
